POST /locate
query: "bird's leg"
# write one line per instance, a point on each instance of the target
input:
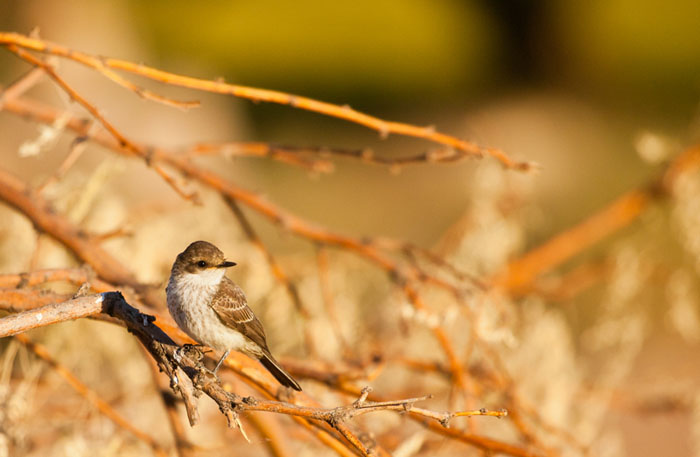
(221, 360)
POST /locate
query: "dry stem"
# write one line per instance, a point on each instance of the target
(89, 394)
(462, 148)
(171, 359)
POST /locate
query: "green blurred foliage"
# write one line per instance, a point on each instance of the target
(393, 52)
(387, 48)
(632, 49)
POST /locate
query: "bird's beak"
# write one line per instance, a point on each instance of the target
(226, 264)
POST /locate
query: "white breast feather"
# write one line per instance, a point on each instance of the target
(188, 303)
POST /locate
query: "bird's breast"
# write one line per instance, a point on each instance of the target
(189, 305)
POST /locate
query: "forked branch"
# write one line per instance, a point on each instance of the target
(176, 361)
(459, 149)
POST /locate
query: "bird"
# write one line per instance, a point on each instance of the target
(213, 310)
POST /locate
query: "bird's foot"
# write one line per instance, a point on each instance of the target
(190, 350)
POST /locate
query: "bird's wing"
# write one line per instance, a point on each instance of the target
(231, 306)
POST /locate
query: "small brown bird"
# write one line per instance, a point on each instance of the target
(213, 310)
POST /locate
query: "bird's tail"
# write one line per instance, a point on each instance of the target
(278, 372)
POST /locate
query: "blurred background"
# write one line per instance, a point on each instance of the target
(573, 87)
(601, 94)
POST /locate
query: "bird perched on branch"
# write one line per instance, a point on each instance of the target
(213, 310)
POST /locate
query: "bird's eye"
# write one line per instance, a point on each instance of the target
(201, 264)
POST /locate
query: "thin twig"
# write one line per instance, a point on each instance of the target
(314, 158)
(22, 85)
(164, 350)
(76, 150)
(123, 141)
(275, 267)
(402, 275)
(462, 148)
(285, 154)
(435, 425)
(371, 249)
(90, 395)
(327, 295)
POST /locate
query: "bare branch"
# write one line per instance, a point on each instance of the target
(23, 299)
(33, 205)
(620, 213)
(124, 142)
(403, 276)
(285, 154)
(22, 85)
(315, 158)
(462, 148)
(90, 395)
(172, 359)
(370, 249)
(50, 314)
(327, 295)
(274, 265)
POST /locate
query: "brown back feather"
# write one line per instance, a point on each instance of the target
(231, 306)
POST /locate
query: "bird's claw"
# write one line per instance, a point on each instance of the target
(192, 351)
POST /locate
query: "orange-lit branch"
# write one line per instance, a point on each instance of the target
(90, 395)
(24, 299)
(315, 158)
(523, 271)
(275, 267)
(327, 295)
(163, 350)
(285, 154)
(368, 248)
(627, 208)
(124, 142)
(76, 276)
(39, 211)
(462, 148)
(405, 275)
(484, 443)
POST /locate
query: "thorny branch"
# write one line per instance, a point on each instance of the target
(408, 276)
(479, 441)
(175, 361)
(405, 276)
(427, 418)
